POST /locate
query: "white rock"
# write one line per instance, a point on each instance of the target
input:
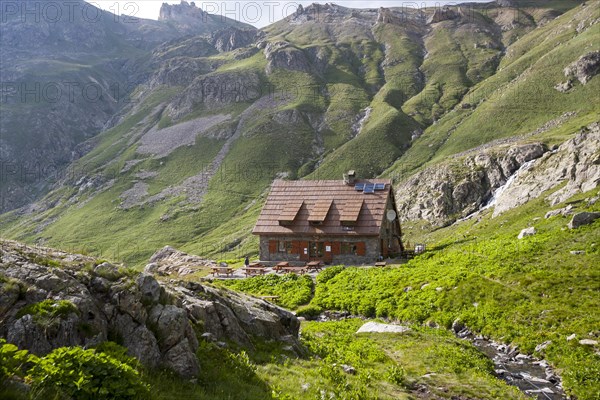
(542, 346)
(571, 337)
(527, 232)
(543, 390)
(588, 342)
(382, 328)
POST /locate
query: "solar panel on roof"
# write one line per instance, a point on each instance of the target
(369, 189)
(380, 186)
(359, 187)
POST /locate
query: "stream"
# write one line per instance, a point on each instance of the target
(533, 377)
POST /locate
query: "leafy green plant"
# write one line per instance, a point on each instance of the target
(309, 311)
(48, 310)
(329, 273)
(86, 375)
(293, 290)
(396, 375)
(12, 360)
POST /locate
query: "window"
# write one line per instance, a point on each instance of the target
(356, 248)
(348, 248)
(284, 247)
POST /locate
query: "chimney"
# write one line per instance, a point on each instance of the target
(350, 177)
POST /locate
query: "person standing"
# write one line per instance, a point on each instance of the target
(246, 261)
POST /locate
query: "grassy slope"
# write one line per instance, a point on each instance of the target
(522, 292)
(518, 291)
(520, 97)
(220, 227)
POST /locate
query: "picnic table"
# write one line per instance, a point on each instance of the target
(251, 271)
(227, 271)
(281, 265)
(295, 270)
(313, 266)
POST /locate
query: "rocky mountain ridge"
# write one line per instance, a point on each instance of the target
(386, 92)
(504, 177)
(93, 301)
(67, 70)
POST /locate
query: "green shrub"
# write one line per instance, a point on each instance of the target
(87, 375)
(329, 273)
(396, 375)
(309, 311)
(293, 290)
(12, 361)
(117, 352)
(48, 309)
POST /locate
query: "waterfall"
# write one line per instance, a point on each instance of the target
(498, 192)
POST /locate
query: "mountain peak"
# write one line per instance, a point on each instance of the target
(178, 11)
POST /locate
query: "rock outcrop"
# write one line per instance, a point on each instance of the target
(585, 68)
(458, 188)
(159, 323)
(284, 55)
(584, 218)
(576, 162)
(442, 14)
(232, 38)
(217, 90)
(168, 260)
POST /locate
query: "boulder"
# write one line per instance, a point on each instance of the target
(382, 328)
(561, 211)
(348, 369)
(457, 325)
(149, 288)
(543, 346)
(564, 87)
(181, 359)
(107, 271)
(170, 261)
(585, 68)
(583, 218)
(588, 342)
(527, 232)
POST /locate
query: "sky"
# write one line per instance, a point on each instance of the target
(259, 13)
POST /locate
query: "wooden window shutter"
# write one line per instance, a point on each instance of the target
(361, 249)
(336, 248)
(272, 246)
(295, 247)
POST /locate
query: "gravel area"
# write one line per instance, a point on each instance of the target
(162, 142)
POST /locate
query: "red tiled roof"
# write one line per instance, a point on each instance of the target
(328, 202)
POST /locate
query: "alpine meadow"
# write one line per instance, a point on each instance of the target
(353, 203)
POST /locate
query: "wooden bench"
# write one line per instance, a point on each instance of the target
(227, 271)
(252, 271)
(380, 264)
(295, 270)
